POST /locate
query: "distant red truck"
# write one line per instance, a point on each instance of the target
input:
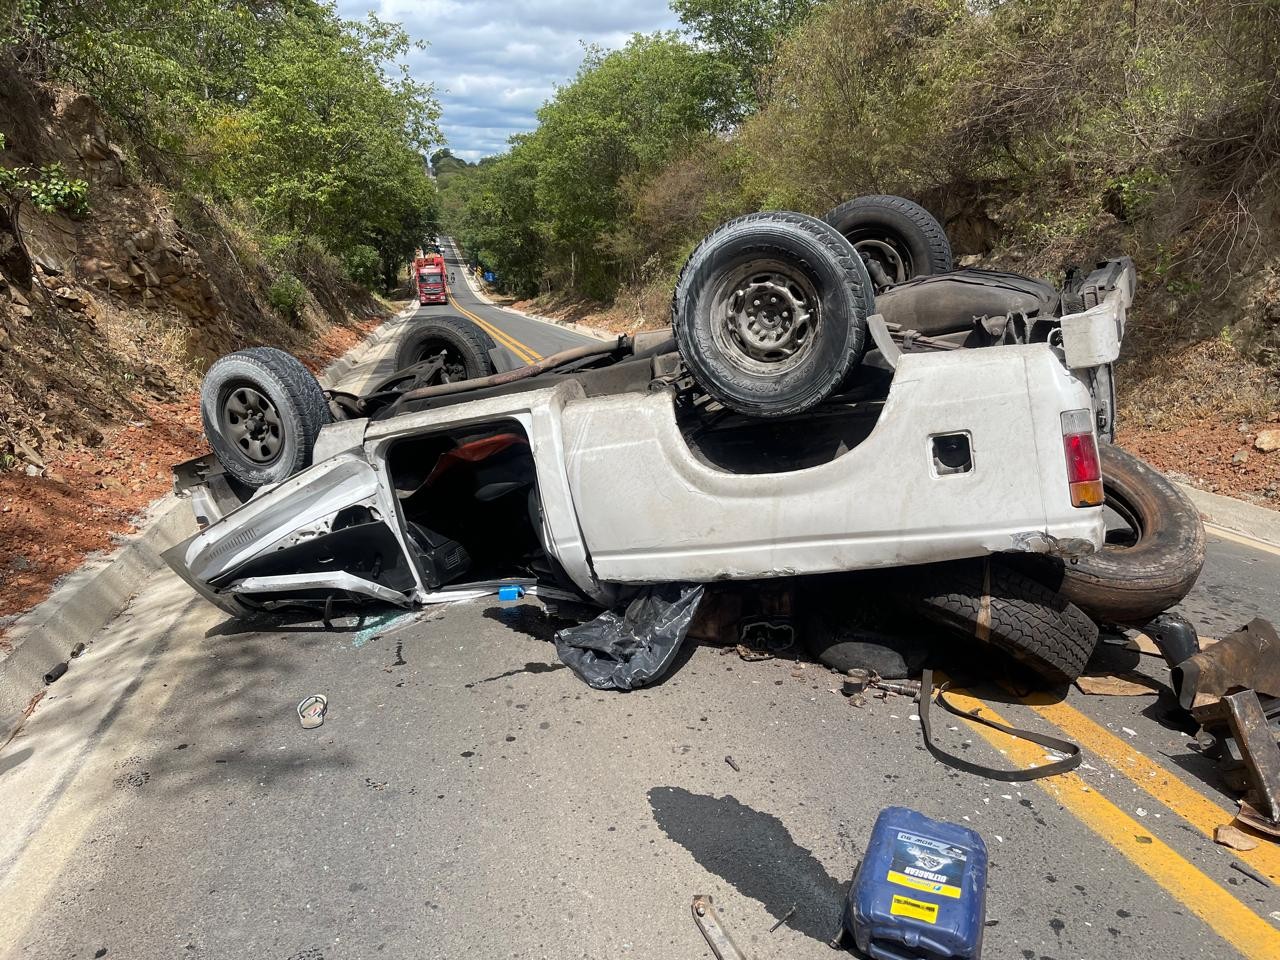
(429, 274)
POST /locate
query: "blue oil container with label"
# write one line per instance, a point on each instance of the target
(920, 891)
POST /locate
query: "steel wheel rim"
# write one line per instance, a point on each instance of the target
(895, 261)
(251, 422)
(765, 316)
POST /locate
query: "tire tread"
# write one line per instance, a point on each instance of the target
(1029, 621)
(842, 254)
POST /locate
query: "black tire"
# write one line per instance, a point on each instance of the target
(262, 410)
(1026, 619)
(901, 236)
(466, 347)
(1131, 581)
(754, 357)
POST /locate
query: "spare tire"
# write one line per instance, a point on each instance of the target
(989, 600)
(465, 346)
(770, 313)
(262, 410)
(895, 235)
(1147, 569)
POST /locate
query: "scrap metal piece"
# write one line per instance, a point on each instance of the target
(1250, 658)
(785, 917)
(722, 945)
(1243, 716)
(1250, 873)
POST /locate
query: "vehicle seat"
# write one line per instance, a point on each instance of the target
(949, 302)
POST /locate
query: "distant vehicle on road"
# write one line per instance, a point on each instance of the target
(429, 275)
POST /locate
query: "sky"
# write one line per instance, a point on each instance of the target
(494, 63)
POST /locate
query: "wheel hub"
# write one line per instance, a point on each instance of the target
(768, 318)
(252, 423)
(885, 254)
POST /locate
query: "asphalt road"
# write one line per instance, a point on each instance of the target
(470, 797)
(523, 339)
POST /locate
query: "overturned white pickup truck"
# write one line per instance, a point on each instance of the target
(623, 464)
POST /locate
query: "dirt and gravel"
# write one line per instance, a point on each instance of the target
(1221, 457)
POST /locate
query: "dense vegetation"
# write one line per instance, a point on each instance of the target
(302, 126)
(1042, 131)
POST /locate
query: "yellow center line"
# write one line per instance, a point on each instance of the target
(527, 354)
(1197, 809)
(1244, 930)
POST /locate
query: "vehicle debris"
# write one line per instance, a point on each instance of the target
(1249, 872)
(733, 764)
(920, 890)
(1248, 658)
(785, 917)
(1127, 684)
(1242, 740)
(708, 921)
(1232, 836)
(1065, 755)
(631, 650)
(55, 672)
(311, 711)
(905, 688)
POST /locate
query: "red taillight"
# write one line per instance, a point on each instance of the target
(1084, 469)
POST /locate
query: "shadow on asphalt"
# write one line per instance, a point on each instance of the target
(14, 759)
(756, 854)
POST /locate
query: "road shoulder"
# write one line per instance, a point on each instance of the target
(90, 597)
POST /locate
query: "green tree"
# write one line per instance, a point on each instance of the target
(743, 35)
(308, 125)
(622, 118)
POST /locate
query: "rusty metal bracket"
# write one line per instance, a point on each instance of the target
(1258, 752)
(722, 945)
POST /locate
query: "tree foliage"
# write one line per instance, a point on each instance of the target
(551, 209)
(1061, 130)
(742, 34)
(308, 123)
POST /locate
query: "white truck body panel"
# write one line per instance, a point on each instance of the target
(670, 516)
(625, 500)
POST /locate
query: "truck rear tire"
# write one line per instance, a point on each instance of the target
(770, 313)
(902, 237)
(991, 601)
(1131, 581)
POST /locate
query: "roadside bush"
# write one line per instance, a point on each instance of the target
(304, 125)
(47, 188)
(287, 295)
(362, 264)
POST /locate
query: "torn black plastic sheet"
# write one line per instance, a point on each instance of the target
(630, 650)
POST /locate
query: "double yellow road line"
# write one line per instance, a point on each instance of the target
(525, 353)
(1248, 933)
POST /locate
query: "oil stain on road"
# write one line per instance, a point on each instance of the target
(756, 854)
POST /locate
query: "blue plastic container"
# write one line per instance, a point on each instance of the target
(920, 891)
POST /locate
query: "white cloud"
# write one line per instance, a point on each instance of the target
(493, 63)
